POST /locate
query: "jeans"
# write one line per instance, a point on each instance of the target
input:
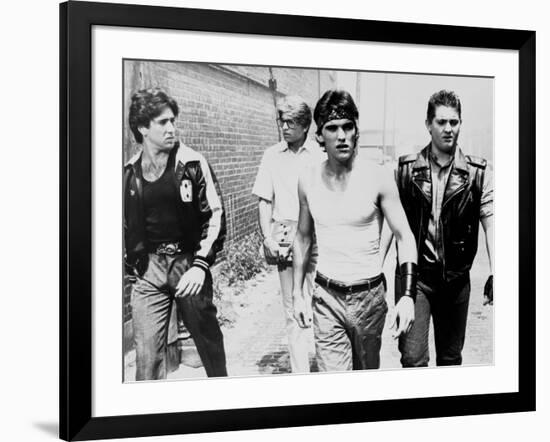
(152, 297)
(447, 303)
(348, 328)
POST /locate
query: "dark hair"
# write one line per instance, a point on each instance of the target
(146, 105)
(443, 98)
(297, 108)
(335, 104)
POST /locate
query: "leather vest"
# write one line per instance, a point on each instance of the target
(460, 211)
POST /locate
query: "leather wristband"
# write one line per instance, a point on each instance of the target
(200, 263)
(407, 272)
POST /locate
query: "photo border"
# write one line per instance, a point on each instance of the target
(76, 22)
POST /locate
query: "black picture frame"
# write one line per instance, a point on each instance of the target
(76, 187)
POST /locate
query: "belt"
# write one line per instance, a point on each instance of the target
(342, 287)
(167, 248)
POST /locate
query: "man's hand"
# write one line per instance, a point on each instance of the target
(404, 317)
(191, 282)
(302, 310)
(285, 252)
(274, 253)
(271, 250)
(488, 291)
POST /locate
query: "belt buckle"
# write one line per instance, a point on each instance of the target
(167, 249)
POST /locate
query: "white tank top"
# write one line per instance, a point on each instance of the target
(348, 223)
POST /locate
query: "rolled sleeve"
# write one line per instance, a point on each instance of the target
(486, 208)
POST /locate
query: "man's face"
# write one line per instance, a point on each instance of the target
(292, 131)
(444, 128)
(339, 138)
(161, 132)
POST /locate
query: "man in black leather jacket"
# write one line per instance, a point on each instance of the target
(446, 195)
(174, 225)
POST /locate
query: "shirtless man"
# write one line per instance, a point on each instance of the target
(345, 200)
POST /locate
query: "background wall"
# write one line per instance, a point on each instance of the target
(227, 113)
(29, 314)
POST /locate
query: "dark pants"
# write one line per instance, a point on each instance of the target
(447, 304)
(348, 328)
(152, 298)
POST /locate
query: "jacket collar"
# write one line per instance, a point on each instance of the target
(423, 160)
(458, 177)
(134, 160)
(181, 150)
(422, 176)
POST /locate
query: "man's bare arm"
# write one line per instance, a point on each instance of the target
(406, 254)
(487, 224)
(271, 247)
(265, 212)
(386, 240)
(386, 236)
(394, 214)
(301, 249)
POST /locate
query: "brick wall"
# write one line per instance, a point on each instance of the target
(227, 113)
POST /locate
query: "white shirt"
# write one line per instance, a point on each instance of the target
(277, 179)
(348, 223)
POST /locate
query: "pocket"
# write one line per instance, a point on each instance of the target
(386, 308)
(376, 299)
(380, 307)
(315, 295)
(382, 291)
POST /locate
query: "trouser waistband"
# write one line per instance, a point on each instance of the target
(342, 287)
(167, 248)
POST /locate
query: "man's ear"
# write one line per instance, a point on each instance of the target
(143, 130)
(428, 126)
(320, 140)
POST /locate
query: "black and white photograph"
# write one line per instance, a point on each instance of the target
(273, 220)
(281, 220)
(255, 221)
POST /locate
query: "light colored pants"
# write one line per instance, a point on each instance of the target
(299, 339)
(348, 328)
